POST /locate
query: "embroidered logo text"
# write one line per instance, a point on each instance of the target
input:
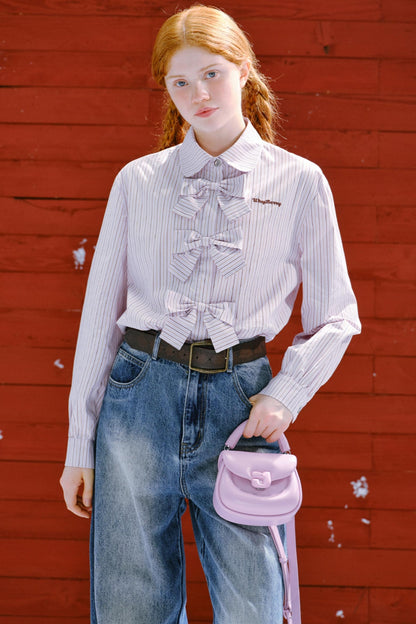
(266, 201)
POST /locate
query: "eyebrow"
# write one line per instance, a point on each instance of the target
(201, 70)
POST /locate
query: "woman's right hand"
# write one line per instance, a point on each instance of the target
(71, 481)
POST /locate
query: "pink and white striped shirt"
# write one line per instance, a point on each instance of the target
(215, 247)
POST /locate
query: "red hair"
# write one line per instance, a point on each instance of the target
(217, 32)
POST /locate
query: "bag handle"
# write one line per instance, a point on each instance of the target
(238, 432)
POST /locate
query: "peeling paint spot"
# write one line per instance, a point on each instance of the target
(58, 364)
(1, 435)
(340, 614)
(339, 545)
(330, 526)
(345, 506)
(365, 521)
(79, 257)
(360, 487)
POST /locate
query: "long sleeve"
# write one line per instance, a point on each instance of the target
(329, 309)
(202, 247)
(99, 336)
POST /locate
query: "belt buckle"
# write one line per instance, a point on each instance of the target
(204, 370)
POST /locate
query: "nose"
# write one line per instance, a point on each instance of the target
(199, 93)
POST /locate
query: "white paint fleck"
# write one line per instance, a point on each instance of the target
(58, 364)
(340, 614)
(345, 506)
(79, 257)
(339, 545)
(1, 435)
(365, 521)
(84, 240)
(330, 526)
(360, 487)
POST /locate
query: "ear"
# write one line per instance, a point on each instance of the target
(245, 68)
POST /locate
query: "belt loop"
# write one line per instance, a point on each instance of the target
(230, 360)
(156, 346)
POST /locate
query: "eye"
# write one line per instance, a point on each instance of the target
(212, 73)
(180, 83)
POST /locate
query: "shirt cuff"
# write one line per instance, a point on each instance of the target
(286, 390)
(80, 453)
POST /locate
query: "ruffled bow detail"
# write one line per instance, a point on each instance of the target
(225, 249)
(195, 193)
(218, 319)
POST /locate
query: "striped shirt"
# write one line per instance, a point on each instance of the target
(215, 247)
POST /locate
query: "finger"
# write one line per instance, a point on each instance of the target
(87, 493)
(80, 511)
(265, 426)
(268, 430)
(76, 507)
(72, 500)
(250, 427)
(261, 429)
(274, 436)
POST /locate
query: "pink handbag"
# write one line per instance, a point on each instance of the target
(263, 489)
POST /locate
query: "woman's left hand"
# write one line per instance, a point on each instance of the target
(268, 418)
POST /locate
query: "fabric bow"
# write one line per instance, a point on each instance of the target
(195, 193)
(218, 318)
(224, 249)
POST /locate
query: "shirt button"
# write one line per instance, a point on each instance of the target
(217, 162)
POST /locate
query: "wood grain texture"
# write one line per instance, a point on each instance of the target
(300, 9)
(354, 111)
(276, 37)
(77, 103)
(61, 105)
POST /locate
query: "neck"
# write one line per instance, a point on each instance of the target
(217, 143)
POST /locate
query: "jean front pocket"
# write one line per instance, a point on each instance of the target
(128, 367)
(251, 377)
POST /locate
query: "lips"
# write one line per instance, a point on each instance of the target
(205, 112)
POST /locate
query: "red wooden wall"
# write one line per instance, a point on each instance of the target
(76, 104)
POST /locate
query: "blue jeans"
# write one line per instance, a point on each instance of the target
(161, 429)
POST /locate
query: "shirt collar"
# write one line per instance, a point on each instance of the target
(243, 155)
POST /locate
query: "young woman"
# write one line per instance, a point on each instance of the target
(207, 240)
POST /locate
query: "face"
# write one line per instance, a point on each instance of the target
(206, 89)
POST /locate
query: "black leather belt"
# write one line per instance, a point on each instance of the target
(199, 356)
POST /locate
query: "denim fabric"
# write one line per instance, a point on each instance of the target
(161, 429)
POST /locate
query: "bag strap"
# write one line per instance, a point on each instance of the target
(238, 432)
(293, 569)
(289, 563)
(284, 563)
